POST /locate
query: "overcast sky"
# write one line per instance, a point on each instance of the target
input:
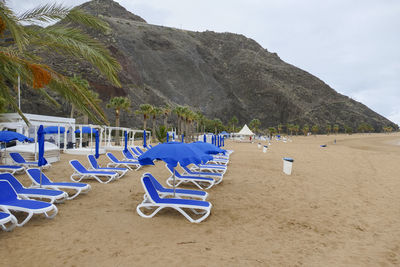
(352, 45)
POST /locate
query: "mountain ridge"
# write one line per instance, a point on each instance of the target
(220, 74)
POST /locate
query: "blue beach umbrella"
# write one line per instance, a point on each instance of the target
(204, 138)
(223, 140)
(183, 138)
(41, 161)
(173, 136)
(173, 153)
(207, 148)
(126, 142)
(144, 138)
(8, 136)
(167, 137)
(96, 138)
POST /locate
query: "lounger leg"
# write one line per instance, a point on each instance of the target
(54, 213)
(13, 224)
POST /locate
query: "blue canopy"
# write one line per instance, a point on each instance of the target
(183, 138)
(87, 130)
(224, 133)
(207, 148)
(173, 153)
(53, 130)
(167, 137)
(8, 136)
(40, 137)
(204, 138)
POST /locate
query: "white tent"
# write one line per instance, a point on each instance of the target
(245, 131)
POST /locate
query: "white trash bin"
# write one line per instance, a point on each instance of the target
(259, 145)
(265, 149)
(287, 165)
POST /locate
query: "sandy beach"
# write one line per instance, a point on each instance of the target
(340, 207)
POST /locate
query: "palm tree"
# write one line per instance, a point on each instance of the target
(145, 111)
(296, 128)
(315, 129)
(217, 124)
(336, 128)
(234, 121)
(154, 113)
(305, 129)
(255, 124)
(19, 56)
(290, 128)
(178, 110)
(118, 103)
(272, 131)
(166, 110)
(328, 129)
(201, 121)
(280, 128)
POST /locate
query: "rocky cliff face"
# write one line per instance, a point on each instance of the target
(221, 74)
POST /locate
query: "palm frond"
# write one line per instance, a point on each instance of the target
(81, 46)
(83, 18)
(45, 13)
(17, 31)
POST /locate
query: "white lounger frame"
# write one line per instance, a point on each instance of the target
(148, 203)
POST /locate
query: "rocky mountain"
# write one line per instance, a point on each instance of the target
(221, 74)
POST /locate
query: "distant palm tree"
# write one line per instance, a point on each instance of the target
(19, 56)
(255, 124)
(234, 121)
(296, 128)
(145, 111)
(217, 125)
(315, 129)
(328, 129)
(306, 129)
(118, 103)
(154, 113)
(179, 110)
(336, 128)
(166, 110)
(280, 126)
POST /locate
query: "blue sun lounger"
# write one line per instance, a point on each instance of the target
(128, 156)
(27, 193)
(20, 161)
(216, 176)
(9, 201)
(7, 218)
(96, 167)
(135, 151)
(126, 164)
(80, 173)
(179, 193)
(79, 188)
(181, 205)
(11, 169)
(209, 168)
(200, 182)
(139, 150)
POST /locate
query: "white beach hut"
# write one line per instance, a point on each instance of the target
(244, 135)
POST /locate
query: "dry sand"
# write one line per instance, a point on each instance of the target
(340, 207)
